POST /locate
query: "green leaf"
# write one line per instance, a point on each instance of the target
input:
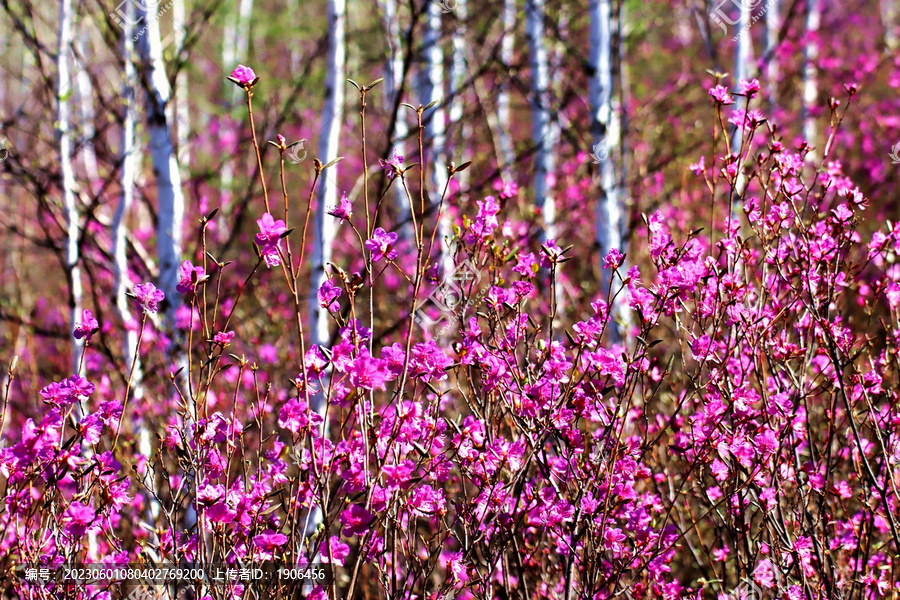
(333, 162)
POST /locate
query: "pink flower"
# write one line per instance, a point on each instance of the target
(188, 276)
(368, 373)
(356, 520)
(328, 295)
(343, 210)
(220, 513)
(339, 551)
(698, 167)
(393, 166)
(295, 416)
(269, 239)
(87, 327)
(526, 265)
(613, 260)
(149, 297)
(382, 245)
(893, 294)
(244, 75)
(552, 255)
(720, 95)
(426, 501)
(749, 88)
(223, 338)
(78, 519)
(507, 189)
(269, 542)
(317, 594)
(456, 568)
(765, 574)
(485, 221)
(90, 428)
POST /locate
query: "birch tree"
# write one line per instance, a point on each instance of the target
(121, 281)
(170, 209)
(86, 111)
(327, 192)
(542, 133)
(606, 133)
(810, 83)
(458, 72)
(181, 113)
(773, 23)
(431, 87)
(393, 83)
(64, 138)
(743, 55)
(508, 155)
(889, 18)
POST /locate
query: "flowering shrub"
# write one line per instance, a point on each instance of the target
(747, 431)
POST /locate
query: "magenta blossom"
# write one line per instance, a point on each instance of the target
(506, 189)
(393, 166)
(269, 542)
(223, 338)
(269, 239)
(149, 297)
(343, 210)
(382, 245)
(356, 520)
(613, 260)
(698, 167)
(339, 551)
(87, 327)
(78, 519)
(368, 372)
(243, 75)
(328, 295)
(749, 87)
(296, 416)
(187, 278)
(720, 95)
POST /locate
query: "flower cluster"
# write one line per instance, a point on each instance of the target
(744, 423)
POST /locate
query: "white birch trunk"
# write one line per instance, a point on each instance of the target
(119, 230)
(458, 73)
(181, 114)
(86, 110)
(889, 18)
(63, 89)
(743, 55)
(508, 156)
(327, 193)
(431, 88)
(170, 207)
(606, 134)
(325, 226)
(121, 282)
(773, 25)
(64, 136)
(810, 83)
(393, 75)
(541, 129)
